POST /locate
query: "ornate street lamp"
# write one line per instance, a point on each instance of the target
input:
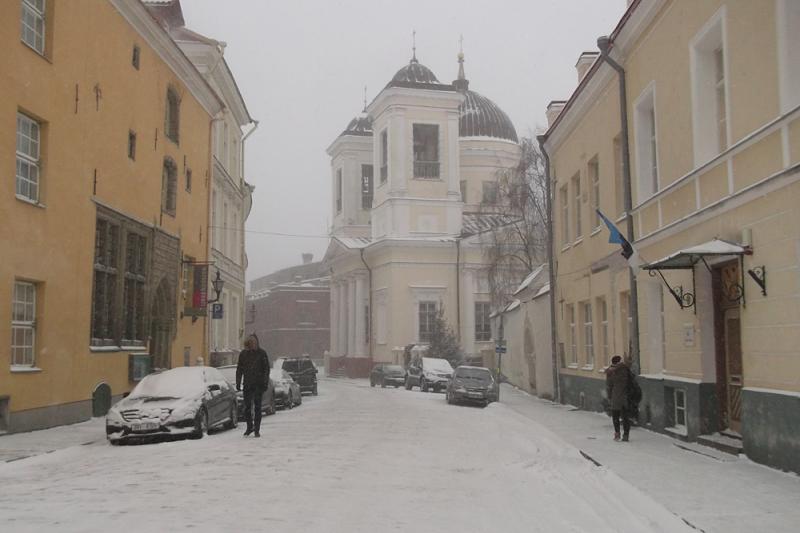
(217, 283)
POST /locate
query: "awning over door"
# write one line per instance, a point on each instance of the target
(689, 257)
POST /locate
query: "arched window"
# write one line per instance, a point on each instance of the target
(173, 115)
(169, 186)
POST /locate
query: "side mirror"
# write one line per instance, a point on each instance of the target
(214, 388)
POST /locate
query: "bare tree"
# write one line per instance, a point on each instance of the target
(516, 248)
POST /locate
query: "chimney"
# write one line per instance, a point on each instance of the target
(585, 61)
(554, 109)
(307, 258)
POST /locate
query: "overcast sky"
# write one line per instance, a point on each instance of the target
(302, 67)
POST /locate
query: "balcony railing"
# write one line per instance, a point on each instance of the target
(426, 169)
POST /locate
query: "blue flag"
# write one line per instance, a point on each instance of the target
(615, 237)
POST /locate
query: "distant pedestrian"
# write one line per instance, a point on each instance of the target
(253, 370)
(618, 382)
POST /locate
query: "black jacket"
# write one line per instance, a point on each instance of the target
(253, 369)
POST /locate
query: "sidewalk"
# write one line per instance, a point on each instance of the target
(21, 445)
(713, 491)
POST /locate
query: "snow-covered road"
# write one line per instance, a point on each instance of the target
(352, 459)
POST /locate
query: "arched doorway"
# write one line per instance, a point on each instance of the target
(161, 326)
(101, 400)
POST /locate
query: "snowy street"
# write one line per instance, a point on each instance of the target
(354, 458)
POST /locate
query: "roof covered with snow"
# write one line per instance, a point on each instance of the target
(688, 257)
(474, 223)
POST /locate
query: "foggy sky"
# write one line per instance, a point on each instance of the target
(302, 67)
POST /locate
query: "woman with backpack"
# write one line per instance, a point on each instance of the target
(623, 395)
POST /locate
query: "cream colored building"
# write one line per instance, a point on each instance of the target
(408, 178)
(98, 219)
(713, 89)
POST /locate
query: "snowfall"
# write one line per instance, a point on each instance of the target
(362, 459)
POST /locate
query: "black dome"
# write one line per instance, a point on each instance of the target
(360, 125)
(480, 117)
(414, 72)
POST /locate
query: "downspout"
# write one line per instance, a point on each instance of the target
(604, 44)
(458, 289)
(551, 271)
(369, 317)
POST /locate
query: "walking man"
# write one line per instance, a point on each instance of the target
(253, 370)
(618, 378)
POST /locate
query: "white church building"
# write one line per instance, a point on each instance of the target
(414, 178)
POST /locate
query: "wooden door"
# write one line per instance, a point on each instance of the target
(733, 370)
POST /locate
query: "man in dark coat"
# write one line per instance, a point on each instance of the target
(618, 377)
(253, 369)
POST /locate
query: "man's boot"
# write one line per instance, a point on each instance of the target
(248, 431)
(625, 437)
(616, 435)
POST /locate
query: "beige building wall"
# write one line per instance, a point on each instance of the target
(87, 99)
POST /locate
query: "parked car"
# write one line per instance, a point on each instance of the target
(287, 391)
(267, 400)
(183, 401)
(429, 373)
(472, 384)
(302, 370)
(387, 375)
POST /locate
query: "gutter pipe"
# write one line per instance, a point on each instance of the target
(369, 317)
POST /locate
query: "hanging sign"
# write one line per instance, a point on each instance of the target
(197, 299)
(216, 311)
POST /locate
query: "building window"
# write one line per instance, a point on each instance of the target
(709, 102)
(646, 144)
(28, 157)
(483, 326)
(23, 324)
(133, 292)
(366, 186)
(384, 156)
(236, 238)
(593, 172)
(339, 191)
(33, 24)
(490, 192)
(463, 187)
(576, 204)
(104, 297)
(169, 186)
(602, 314)
(132, 145)
(573, 336)
(563, 194)
(788, 17)
(619, 177)
(426, 151)
(135, 57)
(188, 180)
(627, 320)
(172, 115)
(588, 334)
(679, 396)
(427, 315)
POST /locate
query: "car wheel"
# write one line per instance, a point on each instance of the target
(300, 399)
(371, 383)
(234, 417)
(289, 401)
(314, 392)
(408, 384)
(447, 397)
(200, 424)
(383, 383)
(422, 385)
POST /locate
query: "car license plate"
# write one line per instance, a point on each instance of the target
(145, 426)
(475, 394)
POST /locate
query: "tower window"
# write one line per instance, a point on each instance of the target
(426, 151)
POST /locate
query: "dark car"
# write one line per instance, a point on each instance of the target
(287, 392)
(267, 400)
(429, 373)
(303, 371)
(472, 384)
(185, 401)
(384, 375)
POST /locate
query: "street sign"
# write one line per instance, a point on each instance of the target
(499, 349)
(216, 311)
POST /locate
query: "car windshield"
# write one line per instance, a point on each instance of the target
(393, 369)
(474, 374)
(229, 372)
(176, 383)
(437, 365)
(278, 373)
(297, 365)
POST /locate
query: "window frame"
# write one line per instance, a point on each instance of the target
(424, 334)
(426, 140)
(107, 268)
(136, 56)
(26, 324)
(588, 334)
(39, 15)
(679, 409)
(491, 193)
(573, 337)
(169, 187)
(646, 138)
(339, 191)
(593, 178)
(483, 324)
(602, 310)
(576, 206)
(619, 177)
(137, 278)
(367, 186)
(172, 115)
(30, 160)
(384, 155)
(565, 222)
(132, 145)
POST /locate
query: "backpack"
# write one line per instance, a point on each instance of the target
(634, 391)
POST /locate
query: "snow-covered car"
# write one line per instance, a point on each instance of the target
(287, 391)
(302, 370)
(472, 384)
(429, 373)
(267, 400)
(183, 401)
(384, 375)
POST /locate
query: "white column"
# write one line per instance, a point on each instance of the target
(351, 317)
(334, 321)
(453, 165)
(342, 319)
(398, 153)
(468, 312)
(360, 331)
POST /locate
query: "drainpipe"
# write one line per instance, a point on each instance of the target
(551, 271)
(604, 44)
(369, 317)
(458, 289)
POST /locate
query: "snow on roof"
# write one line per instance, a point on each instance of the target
(474, 223)
(688, 257)
(512, 306)
(354, 242)
(544, 290)
(528, 280)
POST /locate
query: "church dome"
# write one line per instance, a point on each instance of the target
(480, 117)
(414, 72)
(360, 125)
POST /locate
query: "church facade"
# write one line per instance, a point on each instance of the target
(414, 181)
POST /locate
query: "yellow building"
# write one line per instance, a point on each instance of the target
(108, 125)
(712, 100)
